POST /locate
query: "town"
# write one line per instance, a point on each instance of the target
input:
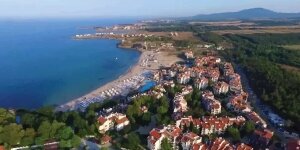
(220, 90)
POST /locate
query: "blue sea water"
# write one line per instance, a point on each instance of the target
(40, 63)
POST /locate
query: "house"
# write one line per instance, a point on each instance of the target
(208, 45)
(261, 138)
(169, 83)
(156, 135)
(183, 78)
(189, 54)
(235, 85)
(238, 103)
(207, 61)
(211, 105)
(292, 144)
(227, 69)
(105, 139)
(184, 121)
(210, 124)
(144, 109)
(221, 88)
(121, 122)
(253, 116)
(179, 105)
(201, 83)
(157, 75)
(51, 145)
(187, 90)
(154, 139)
(207, 95)
(243, 146)
(219, 48)
(199, 146)
(105, 124)
(189, 139)
(220, 144)
(113, 121)
(213, 74)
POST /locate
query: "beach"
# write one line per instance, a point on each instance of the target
(133, 79)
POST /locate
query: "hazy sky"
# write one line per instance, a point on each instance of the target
(150, 8)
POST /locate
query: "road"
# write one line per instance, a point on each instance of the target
(257, 104)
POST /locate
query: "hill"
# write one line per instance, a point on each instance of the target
(247, 14)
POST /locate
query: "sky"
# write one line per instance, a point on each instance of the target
(133, 8)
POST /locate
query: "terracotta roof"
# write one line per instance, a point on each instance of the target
(293, 144)
(154, 133)
(105, 139)
(102, 120)
(266, 133)
(122, 120)
(243, 146)
(2, 147)
(199, 146)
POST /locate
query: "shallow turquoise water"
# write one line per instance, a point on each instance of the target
(40, 64)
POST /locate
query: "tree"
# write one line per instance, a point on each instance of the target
(43, 130)
(6, 117)
(65, 133)
(234, 133)
(11, 134)
(133, 141)
(146, 118)
(75, 141)
(28, 138)
(28, 120)
(166, 145)
(46, 111)
(248, 127)
(55, 126)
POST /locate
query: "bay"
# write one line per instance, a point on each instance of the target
(40, 63)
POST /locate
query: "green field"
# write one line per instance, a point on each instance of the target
(292, 47)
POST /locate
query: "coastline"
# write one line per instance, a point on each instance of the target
(132, 79)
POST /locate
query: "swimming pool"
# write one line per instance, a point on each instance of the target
(147, 86)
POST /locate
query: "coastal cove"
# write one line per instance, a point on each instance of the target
(40, 63)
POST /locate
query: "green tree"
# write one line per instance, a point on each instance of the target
(75, 141)
(146, 118)
(28, 120)
(28, 138)
(11, 134)
(132, 142)
(65, 133)
(166, 145)
(234, 133)
(248, 127)
(6, 117)
(43, 130)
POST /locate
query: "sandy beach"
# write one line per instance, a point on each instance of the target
(149, 61)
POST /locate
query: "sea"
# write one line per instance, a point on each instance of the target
(41, 64)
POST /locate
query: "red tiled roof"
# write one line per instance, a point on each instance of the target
(101, 120)
(105, 139)
(243, 146)
(122, 120)
(293, 144)
(199, 146)
(154, 133)
(268, 134)
(2, 147)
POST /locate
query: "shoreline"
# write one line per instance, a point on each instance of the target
(130, 80)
